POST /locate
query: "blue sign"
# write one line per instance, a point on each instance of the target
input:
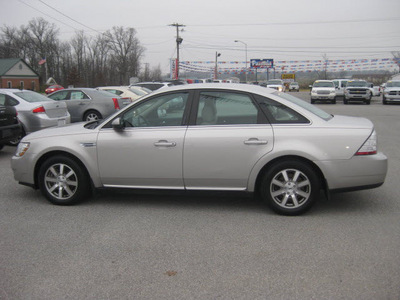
(262, 63)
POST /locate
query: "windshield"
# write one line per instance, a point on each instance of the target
(323, 84)
(311, 108)
(357, 84)
(393, 84)
(32, 96)
(137, 92)
(274, 82)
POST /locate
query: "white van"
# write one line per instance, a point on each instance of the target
(340, 85)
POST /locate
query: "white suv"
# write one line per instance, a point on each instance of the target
(323, 90)
(392, 92)
(276, 84)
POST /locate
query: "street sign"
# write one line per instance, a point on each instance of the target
(262, 63)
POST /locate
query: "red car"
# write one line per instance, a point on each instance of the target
(53, 88)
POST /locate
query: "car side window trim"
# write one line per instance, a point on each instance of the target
(261, 118)
(185, 115)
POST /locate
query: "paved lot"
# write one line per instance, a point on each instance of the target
(202, 246)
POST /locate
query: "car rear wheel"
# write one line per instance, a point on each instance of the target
(290, 187)
(92, 116)
(63, 181)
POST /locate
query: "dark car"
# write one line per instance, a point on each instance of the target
(10, 129)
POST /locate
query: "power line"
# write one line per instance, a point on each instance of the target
(69, 17)
(46, 14)
(301, 23)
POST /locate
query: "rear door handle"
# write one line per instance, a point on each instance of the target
(164, 143)
(255, 141)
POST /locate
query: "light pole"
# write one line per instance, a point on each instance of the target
(245, 48)
(178, 42)
(216, 65)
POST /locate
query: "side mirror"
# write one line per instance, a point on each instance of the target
(117, 124)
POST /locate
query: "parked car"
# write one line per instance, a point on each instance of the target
(323, 90)
(226, 137)
(294, 86)
(87, 104)
(340, 85)
(133, 93)
(391, 93)
(153, 85)
(357, 90)
(35, 111)
(53, 88)
(10, 129)
(276, 84)
(375, 89)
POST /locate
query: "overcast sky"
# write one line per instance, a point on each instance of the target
(282, 30)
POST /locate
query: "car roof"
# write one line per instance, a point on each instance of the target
(251, 88)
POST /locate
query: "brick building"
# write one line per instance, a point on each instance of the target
(16, 73)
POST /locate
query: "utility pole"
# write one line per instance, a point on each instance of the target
(178, 42)
(216, 65)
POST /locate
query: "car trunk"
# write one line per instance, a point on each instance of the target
(55, 109)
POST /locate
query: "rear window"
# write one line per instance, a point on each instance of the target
(311, 108)
(31, 96)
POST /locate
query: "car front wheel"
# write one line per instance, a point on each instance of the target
(63, 181)
(290, 187)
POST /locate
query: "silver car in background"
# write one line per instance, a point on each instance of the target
(35, 111)
(87, 104)
(225, 137)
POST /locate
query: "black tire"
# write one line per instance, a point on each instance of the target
(92, 115)
(16, 141)
(368, 102)
(334, 100)
(345, 101)
(290, 187)
(63, 181)
(1, 147)
(312, 101)
(384, 100)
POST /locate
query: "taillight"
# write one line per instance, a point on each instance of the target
(370, 146)
(116, 104)
(39, 109)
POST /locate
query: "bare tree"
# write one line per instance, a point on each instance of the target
(126, 52)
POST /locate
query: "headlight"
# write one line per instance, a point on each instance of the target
(21, 149)
(280, 89)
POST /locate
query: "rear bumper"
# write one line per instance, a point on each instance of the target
(359, 172)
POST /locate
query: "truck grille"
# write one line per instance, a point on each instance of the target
(358, 92)
(323, 92)
(394, 93)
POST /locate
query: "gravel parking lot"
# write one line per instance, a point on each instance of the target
(142, 245)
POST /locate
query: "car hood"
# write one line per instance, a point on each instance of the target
(339, 121)
(389, 89)
(69, 129)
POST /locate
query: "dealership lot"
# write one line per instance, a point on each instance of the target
(142, 245)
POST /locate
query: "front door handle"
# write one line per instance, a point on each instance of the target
(164, 143)
(255, 141)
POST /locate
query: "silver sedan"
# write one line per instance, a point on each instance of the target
(35, 111)
(87, 104)
(226, 137)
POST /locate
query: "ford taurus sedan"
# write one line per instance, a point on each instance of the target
(225, 137)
